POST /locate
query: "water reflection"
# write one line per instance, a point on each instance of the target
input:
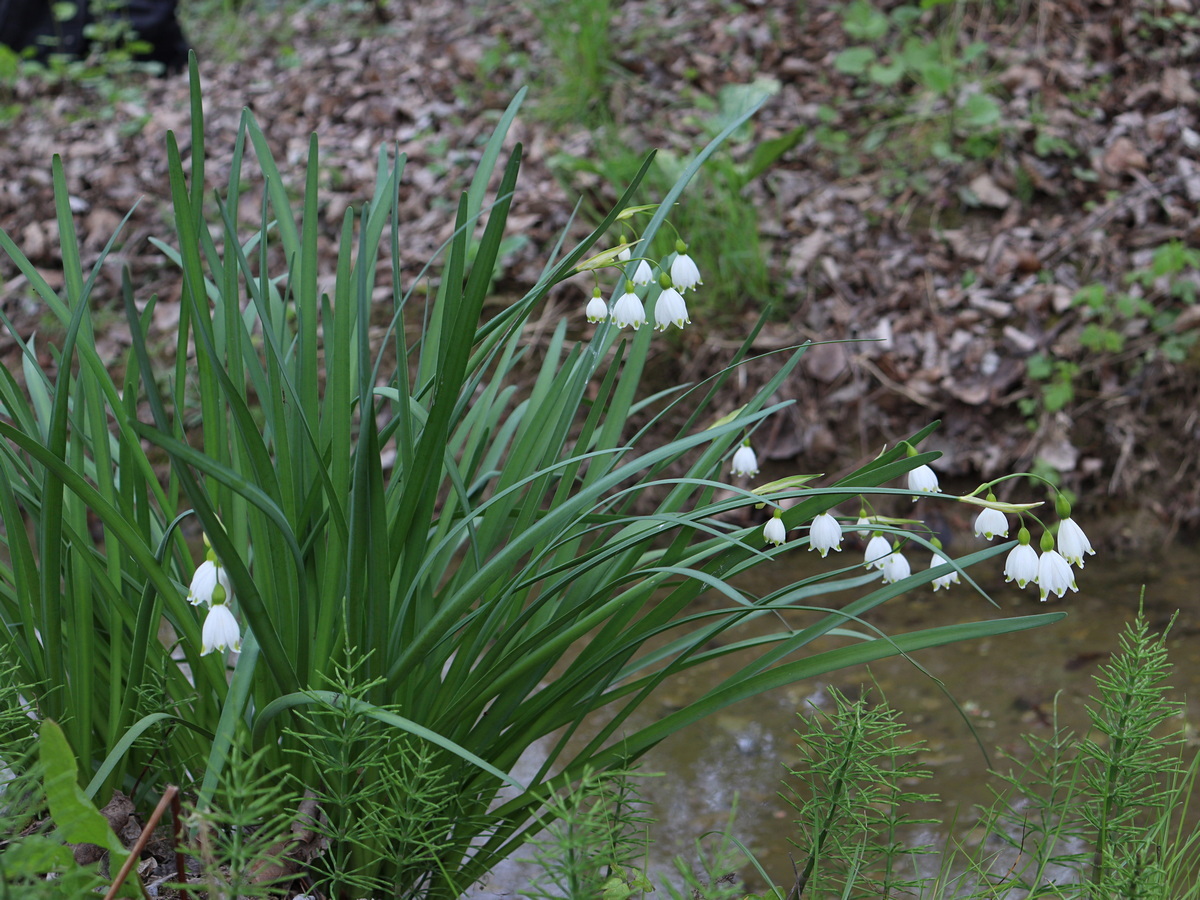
(1007, 685)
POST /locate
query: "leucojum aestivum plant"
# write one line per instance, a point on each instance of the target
(431, 550)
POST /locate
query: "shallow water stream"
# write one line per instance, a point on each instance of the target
(1007, 685)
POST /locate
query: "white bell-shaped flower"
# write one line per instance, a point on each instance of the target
(643, 274)
(684, 273)
(895, 568)
(942, 581)
(670, 309)
(209, 575)
(221, 631)
(774, 531)
(1073, 544)
(878, 549)
(1021, 564)
(597, 309)
(991, 522)
(745, 462)
(628, 311)
(923, 479)
(825, 534)
(1054, 575)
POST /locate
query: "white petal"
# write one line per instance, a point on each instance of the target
(863, 531)
(643, 274)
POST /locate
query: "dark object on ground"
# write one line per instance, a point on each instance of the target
(31, 23)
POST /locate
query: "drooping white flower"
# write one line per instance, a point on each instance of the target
(628, 311)
(923, 479)
(774, 531)
(624, 254)
(895, 568)
(942, 581)
(1073, 543)
(684, 273)
(643, 274)
(991, 522)
(220, 632)
(670, 309)
(1054, 575)
(824, 534)
(878, 549)
(209, 575)
(863, 526)
(597, 309)
(744, 461)
(1021, 564)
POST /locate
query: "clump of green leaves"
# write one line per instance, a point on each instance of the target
(850, 793)
(578, 35)
(1140, 319)
(927, 89)
(112, 69)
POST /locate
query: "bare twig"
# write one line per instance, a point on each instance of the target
(171, 793)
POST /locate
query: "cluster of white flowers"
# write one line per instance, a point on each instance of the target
(210, 586)
(1050, 571)
(669, 309)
